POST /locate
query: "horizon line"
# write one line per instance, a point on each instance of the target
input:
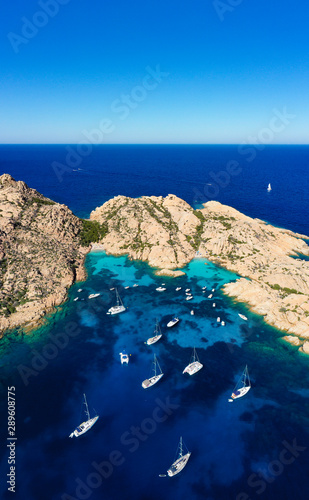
(150, 144)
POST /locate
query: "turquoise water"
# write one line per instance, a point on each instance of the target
(238, 449)
(229, 442)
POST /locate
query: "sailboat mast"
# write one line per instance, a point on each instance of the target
(155, 365)
(180, 447)
(87, 410)
(247, 375)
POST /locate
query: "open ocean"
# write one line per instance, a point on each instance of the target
(254, 448)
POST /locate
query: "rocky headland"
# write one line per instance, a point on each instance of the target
(167, 233)
(43, 245)
(41, 253)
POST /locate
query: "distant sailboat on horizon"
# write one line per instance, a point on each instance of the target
(269, 187)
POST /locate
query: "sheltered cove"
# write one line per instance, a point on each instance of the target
(166, 233)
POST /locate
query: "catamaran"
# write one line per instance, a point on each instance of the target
(173, 322)
(242, 386)
(194, 365)
(85, 426)
(124, 357)
(181, 461)
(157, 336)
(119, 307)
(155, 378)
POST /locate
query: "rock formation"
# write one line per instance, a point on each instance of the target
(167, 232)
(40, 253)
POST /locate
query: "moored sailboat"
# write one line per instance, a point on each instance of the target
(181, 461)
(84, 426)
(156, 377)
(242, 386)
(157, 336)
(119, 307)
(194, 365)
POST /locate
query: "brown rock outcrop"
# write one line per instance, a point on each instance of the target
(40, 253)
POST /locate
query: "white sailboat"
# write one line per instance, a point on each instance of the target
(157, 336)
(242, 386)
(181, 461)
(84, 426)
(119, 307)
(269, 187)
(194, 365)
(156, 377)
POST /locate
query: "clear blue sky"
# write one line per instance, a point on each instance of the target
(226, 68)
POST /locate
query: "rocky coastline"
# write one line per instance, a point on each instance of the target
(43, 246)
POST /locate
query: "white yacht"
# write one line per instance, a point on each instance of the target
(242, 316)
(242, 386)
(160, 289)
(93, 295)
(157, 374)
(157, 335)
(173, 322)
(119, 307)
(194, 365)
(269, 187)
(84, 426)
(181, 461)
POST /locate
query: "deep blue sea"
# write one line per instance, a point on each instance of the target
(254, 448)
